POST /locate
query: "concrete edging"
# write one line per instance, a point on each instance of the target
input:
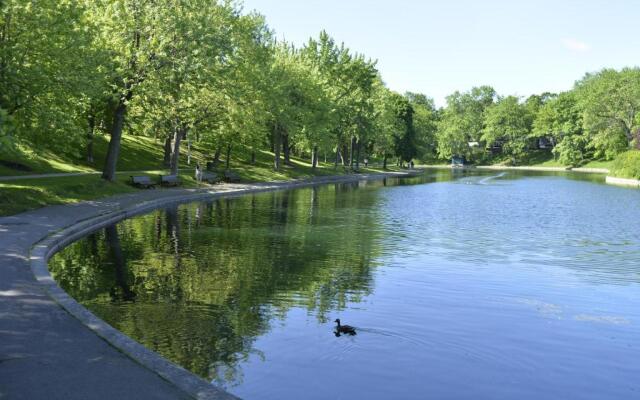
(186, 381)
(523, 168)
(612, 180)
(591, 170)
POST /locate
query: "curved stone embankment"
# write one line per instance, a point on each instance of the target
(47, 350)
(612, 180)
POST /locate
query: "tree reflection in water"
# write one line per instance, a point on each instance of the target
(470, 268)
(199, 283)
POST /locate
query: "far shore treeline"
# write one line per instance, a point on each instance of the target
(214, 75)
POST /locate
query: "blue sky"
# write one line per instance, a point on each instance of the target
(437, 47)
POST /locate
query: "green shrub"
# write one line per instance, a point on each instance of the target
(627, 165)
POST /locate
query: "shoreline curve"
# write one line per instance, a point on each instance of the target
(179, 377)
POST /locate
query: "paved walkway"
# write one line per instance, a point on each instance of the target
(45, 352)
(69, 174)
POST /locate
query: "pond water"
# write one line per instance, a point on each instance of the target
(460, 286)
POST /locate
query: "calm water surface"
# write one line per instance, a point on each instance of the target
(462, 286)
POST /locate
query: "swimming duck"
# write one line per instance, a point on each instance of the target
(346, 329)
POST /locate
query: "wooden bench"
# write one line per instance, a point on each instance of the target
(169, 180)
(210, 177)
(142, 181)
(230, 176)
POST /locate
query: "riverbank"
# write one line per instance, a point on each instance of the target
(30, 180)
(525, 168)
(19, 194)
(52, 346)
(612, 180)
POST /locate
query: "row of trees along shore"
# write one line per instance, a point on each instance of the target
(214, 74)
(598, 119)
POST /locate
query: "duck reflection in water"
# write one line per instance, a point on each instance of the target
(343, 329)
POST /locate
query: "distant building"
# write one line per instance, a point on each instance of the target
(545, 143)
(457, 161)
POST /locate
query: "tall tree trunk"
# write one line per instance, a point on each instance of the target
(627, 130)
(358, 154)
(352, 151)
(343, 153)
(253, 156)
(90, 136)
(110, 164)
(216, 157)
(335, 166)
(286, 149)
(167, 152)
(384, 161)
(276, 148)
(180, 133)
(314, 157)
(228, 160)
(188, 151)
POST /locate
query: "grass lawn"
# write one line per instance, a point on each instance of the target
(534, 158)
(599, 164)
(137, 154)
(22, 195)
(544, 158)
(548, 163)
(627, 165)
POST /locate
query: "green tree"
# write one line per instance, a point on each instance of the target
(560, 120)
(404, 140)
(350, 78)
(425, 120)
(572, 150)
(197, 57)
(130, 31)
(462, 121)
(47, 70)
(288, 100)
(508, 122)
(385, 123)
(610, 101)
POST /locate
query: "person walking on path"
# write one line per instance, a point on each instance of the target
(198, 173)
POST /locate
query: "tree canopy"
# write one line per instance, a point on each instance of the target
(206, 72)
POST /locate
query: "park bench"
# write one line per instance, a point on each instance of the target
(210, 177)
(169, 180)
(142, 181)
(230, 176)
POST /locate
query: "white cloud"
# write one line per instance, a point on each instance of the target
(575, 45)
